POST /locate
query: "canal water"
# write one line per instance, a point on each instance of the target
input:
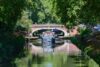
(45, 54)
(47, 42)
(48, 58)
(56, 56)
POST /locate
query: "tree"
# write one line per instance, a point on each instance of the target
(10, 11)
(10, 45)
(43, 11)
(25, 21)
(69, 10)
(81, 11)
(90, 12)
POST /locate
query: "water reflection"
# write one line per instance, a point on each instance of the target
(54, 55)
(49, 60)
(47, 41)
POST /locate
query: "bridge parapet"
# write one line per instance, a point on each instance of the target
(47, 25)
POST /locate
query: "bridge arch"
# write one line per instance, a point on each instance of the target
(49, 29)
(36, 27)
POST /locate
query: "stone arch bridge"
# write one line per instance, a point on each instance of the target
(60, 27)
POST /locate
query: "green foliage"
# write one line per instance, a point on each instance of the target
(90, 12)
(10, 11)
(69, 10)
(43, 11)
(25, 21)
(24, 61)
(11, 46)
(87, 49)
(85, 32)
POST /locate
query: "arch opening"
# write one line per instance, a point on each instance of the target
(40, 31)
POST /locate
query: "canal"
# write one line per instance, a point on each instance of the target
(51, 51)
(61, 53)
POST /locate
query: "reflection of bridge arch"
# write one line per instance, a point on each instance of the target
(36, 27)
